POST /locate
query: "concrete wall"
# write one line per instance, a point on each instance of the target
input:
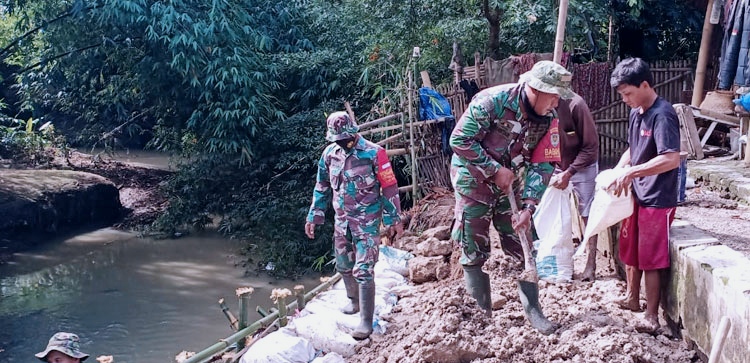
(708, 281)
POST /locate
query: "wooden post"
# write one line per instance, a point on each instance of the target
(560, 35)
(703, 53)
(609, 41)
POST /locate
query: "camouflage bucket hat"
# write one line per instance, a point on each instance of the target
(66, 343)
(549, 77)
(340, 126)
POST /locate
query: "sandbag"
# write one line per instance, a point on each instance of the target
(554, 259)
(279, 347)
(606, 208)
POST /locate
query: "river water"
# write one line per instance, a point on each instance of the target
(139, 300)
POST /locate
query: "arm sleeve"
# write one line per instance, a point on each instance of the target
(321, 194)
(465, 142)
(588, 153)
(536, 178)
(391, 201)
(667, 132)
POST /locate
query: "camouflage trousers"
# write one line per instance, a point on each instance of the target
(357, 253)
(471, 229)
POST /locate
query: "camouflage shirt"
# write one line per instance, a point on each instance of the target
(495, 131)
(362, 184)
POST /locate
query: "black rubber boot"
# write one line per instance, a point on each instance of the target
(352, 292)
(529, 293)
(478, 284)
(366, 310)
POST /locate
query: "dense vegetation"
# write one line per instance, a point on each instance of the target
(239, 89)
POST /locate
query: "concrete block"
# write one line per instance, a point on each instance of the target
(708, 281)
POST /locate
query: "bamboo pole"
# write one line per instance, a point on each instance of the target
(233, 322)
(560, 35)
(279, 298)
(411, 134)
(703, 53)
(391, 138)
(223, 344)
(380, 120)
(396, 152)
(349, 111)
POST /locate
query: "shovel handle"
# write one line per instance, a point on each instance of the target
(529, 273)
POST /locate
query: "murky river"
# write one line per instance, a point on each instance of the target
(140, 300)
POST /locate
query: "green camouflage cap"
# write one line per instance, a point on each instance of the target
(66, 343)
(549, 77)
(340, 126)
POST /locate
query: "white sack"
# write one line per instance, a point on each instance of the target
(322, 329)
(554, 259)
(330, 358)
(606, 209)
(279, 347)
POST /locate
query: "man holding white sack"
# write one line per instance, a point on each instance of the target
(579, 146)
(650, 163)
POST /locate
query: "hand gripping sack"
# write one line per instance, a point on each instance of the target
(554, 258)
(607, 209)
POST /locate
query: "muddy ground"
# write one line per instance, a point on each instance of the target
(439, 321)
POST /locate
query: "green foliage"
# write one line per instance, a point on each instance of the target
(21, 142)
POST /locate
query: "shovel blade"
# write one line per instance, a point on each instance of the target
(529, 293)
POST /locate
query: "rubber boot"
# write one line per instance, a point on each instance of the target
(478, 284)
(352, 292)
(366, 310)
(529, 292)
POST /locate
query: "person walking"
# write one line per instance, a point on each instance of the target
(650, 164)
(492, 145)
(579, 154)
(356, 175)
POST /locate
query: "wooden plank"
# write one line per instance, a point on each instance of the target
(689, 131)
(708, 133)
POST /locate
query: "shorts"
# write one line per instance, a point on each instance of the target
(644, 238)
(584, 185)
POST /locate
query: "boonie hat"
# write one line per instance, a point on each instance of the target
(66, 343)
(549, 77)
(340, 126)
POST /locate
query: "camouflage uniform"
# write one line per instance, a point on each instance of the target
(365, 192)
(495, 131)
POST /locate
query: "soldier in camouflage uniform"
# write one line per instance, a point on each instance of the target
(358, 174)
(492, 144)
(63, 348)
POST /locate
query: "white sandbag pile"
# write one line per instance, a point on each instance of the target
(320, 332)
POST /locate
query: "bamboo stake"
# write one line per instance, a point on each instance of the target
(279, 298)
(222, 344)
(350, 111)
(299, 291)
(560, 37)
(721, 334)
(233, 322)
(700, 68)
(244, 294)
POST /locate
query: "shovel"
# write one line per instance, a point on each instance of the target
(528, 287)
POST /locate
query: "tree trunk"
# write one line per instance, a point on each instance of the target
(493, 16)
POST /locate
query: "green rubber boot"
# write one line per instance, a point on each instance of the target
(478, 284)
(352, 292)
(366, 310)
